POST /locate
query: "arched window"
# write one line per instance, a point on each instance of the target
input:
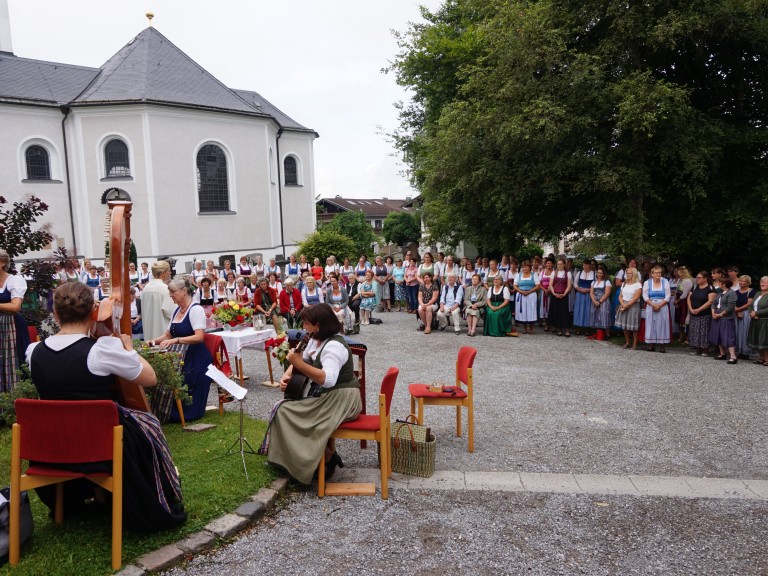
(116, 159)
(291, 171)
(212, 186)
(38, 164)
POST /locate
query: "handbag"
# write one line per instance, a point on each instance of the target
(26, 522)
(413, 448)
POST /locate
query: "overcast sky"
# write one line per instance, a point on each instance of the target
(318, 61)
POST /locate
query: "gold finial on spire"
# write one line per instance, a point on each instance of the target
(149, 16)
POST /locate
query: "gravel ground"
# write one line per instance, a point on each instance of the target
(549, 404)
(543, 404)
(447, 533)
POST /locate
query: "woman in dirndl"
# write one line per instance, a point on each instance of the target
(757, 338)
(745, 295)
(582, 305)
(699, 317)
(559, 318)
(656, 295)
(14, 335)
(545, 278)
(187, 326)
(498, 315)
(600, 297)
(526, 287)
(327, 361)
(723, 331)
(628, 313)
(370, 299)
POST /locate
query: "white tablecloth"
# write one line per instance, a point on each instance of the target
(236, 340)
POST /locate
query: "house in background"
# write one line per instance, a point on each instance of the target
(210, 169)
(375, 209)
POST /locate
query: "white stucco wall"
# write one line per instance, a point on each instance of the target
(163, 143)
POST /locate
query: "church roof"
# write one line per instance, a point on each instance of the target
(149, 69)
(372, 207)
(256, 99)
(46, 83)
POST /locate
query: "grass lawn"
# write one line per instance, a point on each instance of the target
(211, 488)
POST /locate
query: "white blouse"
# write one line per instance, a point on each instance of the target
(108, 356)
(16, 285)
(333, 358)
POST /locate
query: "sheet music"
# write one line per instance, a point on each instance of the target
(230, 386)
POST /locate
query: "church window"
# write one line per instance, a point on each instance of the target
(116, 159)
(212, 183)
(291, 171)
(38, 163)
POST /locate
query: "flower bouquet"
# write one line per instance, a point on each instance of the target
(280, 348)
(168, 366)
(232, 314)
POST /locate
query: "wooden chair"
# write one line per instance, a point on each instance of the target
(218, 351)
(366, 427)
(456, 397)
(66, 432)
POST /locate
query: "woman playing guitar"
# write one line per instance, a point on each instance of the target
(327, 361)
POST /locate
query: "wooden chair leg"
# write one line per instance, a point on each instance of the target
(181, 412)
(458, 421)
(117, 499)
(420, 418)
(384, 466)
(321, 477)
(471, 426)
(14, 526)
(413, 405)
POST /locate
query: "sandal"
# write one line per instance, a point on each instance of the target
(720, 357)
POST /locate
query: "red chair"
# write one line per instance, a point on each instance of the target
(66, 432)
(33, 335)
(366, 427)
(456, 397)
(218, 351)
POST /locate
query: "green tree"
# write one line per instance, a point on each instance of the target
(327, 242)
(354, 225)
(17, 235)
(402, 228)
(640, 120)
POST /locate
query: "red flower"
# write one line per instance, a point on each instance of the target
(233, 323)
(240, 318)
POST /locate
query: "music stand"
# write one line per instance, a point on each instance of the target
(239, 394)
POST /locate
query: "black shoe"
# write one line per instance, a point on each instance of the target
(731, 361)
(330, 466)
(651, 348)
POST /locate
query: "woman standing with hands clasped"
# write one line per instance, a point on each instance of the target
(723, 331)
(656, 295)
(699, 302)
(600, 295)
(757, 338)
(327, 361)
(628, 313)
(559, 318)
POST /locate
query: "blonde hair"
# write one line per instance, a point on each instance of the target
(5, 259)
(684, 273)
(746, 279)
(159, 268)
(631, 272)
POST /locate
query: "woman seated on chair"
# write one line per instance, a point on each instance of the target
(187, 326)
(71, 366)
(327, 361)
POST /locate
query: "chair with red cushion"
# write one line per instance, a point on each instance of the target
(456, 396)
(66, 432)
(218, 351)
(366, 427)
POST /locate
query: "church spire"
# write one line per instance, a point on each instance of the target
(5, 28)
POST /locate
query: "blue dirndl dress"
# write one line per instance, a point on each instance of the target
(583, 304)
(14, 336)
(196, 361)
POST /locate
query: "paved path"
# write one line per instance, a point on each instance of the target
(595, 484)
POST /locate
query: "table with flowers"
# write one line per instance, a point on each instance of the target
(236, 340)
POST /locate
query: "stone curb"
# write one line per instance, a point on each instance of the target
(224, 527)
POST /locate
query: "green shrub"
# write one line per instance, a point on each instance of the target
(23, 389)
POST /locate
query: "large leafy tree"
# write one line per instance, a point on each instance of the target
(402, 228)
(642, 120)
(354, 225)
(327, 242)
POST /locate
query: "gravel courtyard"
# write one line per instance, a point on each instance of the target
(543, 404)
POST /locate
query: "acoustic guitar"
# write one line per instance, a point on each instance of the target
(301, 386)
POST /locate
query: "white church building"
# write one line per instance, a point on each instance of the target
(211, 170)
